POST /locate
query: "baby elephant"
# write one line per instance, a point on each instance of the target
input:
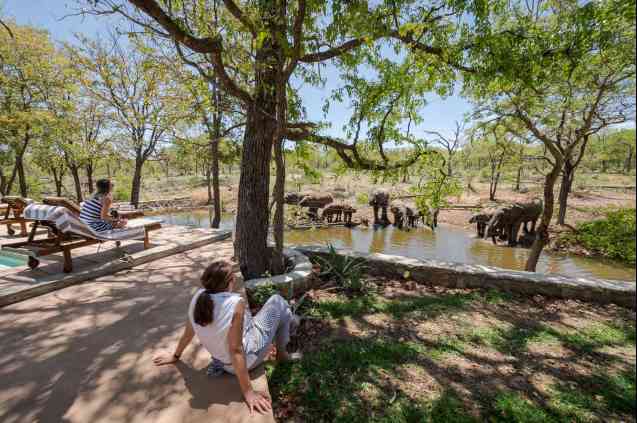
(336, 213)
(403, 215)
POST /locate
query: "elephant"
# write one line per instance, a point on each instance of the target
(293, 198)
(379, 200)
(481, 220)
(430, 217)
(339, 212)
(311, 200)
(403, 215)
(315, 201)
(532, 212)
(507, 220)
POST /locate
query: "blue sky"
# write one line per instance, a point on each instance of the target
(440, 115)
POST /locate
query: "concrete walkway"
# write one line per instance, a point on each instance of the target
(84, 353)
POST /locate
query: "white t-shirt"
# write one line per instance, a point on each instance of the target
(214, 337)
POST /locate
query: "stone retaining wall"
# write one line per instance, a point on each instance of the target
(458, 275)
(294, 282)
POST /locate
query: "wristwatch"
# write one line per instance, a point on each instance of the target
(177, 356)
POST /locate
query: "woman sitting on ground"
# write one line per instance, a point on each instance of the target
(237, 342)
(96, 211)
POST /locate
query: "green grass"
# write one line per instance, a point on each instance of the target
(328, 386)
(516, 339)
(600, 397)
(511, 407)
(372, 303)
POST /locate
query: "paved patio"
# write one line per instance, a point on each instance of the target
(17, 284)
(84, 353)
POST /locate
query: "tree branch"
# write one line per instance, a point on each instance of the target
(240, 16)
(211, 46)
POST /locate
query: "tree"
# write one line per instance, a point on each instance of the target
(434, 187)
(29, 68)
(218, 116)
(48, 156)
(139, 95)
(497, 146)
(563, 71)
(450, 144)
(274, 40)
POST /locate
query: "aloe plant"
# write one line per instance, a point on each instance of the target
(346, 271)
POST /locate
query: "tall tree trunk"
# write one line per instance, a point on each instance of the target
(279, 193)
(137, 181)
(254, 186)
(58, 174)
(542, 231)
(75, 173)
(214, 156)
(493, 184)
(14, 174)
(278, 259)
(89, 177)
(18, 168)
(518, 179)
(251, 247)
(568, 174)
(209, 182)
(405, 176)
(24, 189)
(3, 182)
(216, 192)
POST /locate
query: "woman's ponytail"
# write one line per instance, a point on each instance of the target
(204, 308)
(216, 278)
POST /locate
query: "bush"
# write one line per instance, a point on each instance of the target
(613, 236)
(362, 198)
(347, 272)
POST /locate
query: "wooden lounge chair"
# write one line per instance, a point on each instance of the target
(15, 206)
(67, 232)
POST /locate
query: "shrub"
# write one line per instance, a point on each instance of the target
(347, 272)
(613, 236)
(362, 198)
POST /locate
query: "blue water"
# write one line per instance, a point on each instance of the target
(9, 260)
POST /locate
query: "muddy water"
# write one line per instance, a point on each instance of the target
(447, 243)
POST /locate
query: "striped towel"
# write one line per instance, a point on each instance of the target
(66, 222)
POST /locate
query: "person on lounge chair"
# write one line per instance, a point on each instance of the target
(96, 211)
(237, 341)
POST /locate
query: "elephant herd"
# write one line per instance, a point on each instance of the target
(505, 222)
(404, 215)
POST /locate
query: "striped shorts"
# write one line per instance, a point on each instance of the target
(100, 225)
(271, 325)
